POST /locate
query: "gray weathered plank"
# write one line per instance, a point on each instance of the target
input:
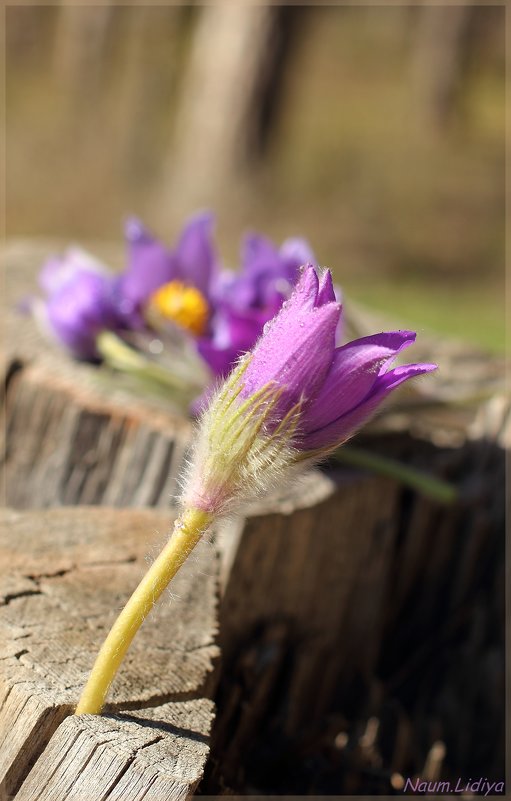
(70, 572)
(151, 754)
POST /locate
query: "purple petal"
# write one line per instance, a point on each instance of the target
(267, 271)
(326, 292)
(301, 302)
(150, 265)
(136, 233)
(393, 378)
(295, 352)
(58, 270)
(268, 274)
(343, 427)
(354, 371)
(49, 274)
(305, 294)
(298, 251)
(79, 310)
(232, 334)
(257, 253)
(219, 358)
(195, 256)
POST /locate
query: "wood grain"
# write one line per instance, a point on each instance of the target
(150, 754)
(70, 571)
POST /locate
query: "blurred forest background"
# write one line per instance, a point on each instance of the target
(375, 132)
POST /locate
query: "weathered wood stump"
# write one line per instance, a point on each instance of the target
(358, 622)
(70, 571)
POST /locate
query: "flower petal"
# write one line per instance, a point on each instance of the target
(258, 253)
(295, 352)
(195, 255)
(354, 371)
(268, 272)
(58, 270)
(344, 426)
(150, 265)
(232, 334)
(79, 310)
(326, 292)
(298, 251)
(305, 294)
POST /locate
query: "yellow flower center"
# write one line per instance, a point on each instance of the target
(183, 304)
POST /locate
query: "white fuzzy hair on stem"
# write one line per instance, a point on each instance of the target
(242, 450)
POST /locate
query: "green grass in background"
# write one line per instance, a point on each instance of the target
(474, 314)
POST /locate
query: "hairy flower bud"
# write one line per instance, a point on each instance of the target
(292, 400)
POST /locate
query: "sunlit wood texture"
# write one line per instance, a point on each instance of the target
(69, 571)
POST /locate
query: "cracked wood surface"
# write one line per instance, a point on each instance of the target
(70, 570)
(71, 441)
(150, 754)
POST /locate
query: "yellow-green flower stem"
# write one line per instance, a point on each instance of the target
(187, 533)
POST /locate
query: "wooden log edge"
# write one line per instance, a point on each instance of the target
(70, 570)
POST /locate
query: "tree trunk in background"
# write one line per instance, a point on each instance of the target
(27, 32)
(228, 99)
(80, 48)
(439, 60)
(152, 51)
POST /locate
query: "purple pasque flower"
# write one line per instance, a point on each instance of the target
(245, 301)
(290, 401)
(223, 311)
(334, 389)
(232, 332)
(268, 274)
(151, 266)
(80, 301)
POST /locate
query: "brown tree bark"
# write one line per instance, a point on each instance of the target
(228, 100)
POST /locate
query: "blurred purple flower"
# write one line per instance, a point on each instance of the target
(80, 301)
(245, 301)
(222, 311)
(228, 315)
(335, 389)
(267, 274)
(151, 265)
